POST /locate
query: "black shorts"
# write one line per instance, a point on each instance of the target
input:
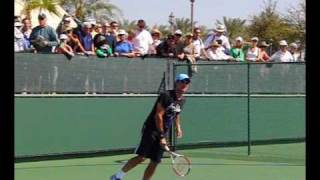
(149, 146)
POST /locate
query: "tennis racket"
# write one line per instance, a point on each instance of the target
(181, 164)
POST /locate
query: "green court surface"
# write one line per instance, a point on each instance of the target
(267, 162)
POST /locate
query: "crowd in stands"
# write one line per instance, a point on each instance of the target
(108, 40)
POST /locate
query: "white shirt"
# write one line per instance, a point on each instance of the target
(214, 37)
(217, 55)
(252, 54)
(198, 45)
(281, 56)
(142, 41)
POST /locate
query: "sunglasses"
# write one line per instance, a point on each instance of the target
(185, 81)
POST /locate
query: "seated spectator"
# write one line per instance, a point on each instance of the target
(253, 51)
(63, 47)
(218, 34)
(123, 47)
(167, 48)
(295, 52)
(18, 37)
(43, 37)
(104, 50)
(65, 24)
(263, 56)
(214, 53)
(26, 30)
(282, 55)
(74, 42)
(86, 38)
(142, 40)
(156, 35)
(237, 51)
(199, 45)
(108, 38)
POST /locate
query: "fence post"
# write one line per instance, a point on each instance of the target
(248, 108)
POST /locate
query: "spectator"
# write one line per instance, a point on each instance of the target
(43, 37)
(167, 48)
(96, 29)
(63, 47)
(131, 35)
(156, 35)
(263, 56)
(237, 51)
(26, 31)
(188, 51)
(253, 51)
(123, 47)
(114, 29)
(198, 43)
(108, 38)
(66, 23)
(178, 37)
(295, 52)
(74, 42)
(282, 55)
(18, 37)
(104, 50)
(86, 39)
(214, 53)
(142, 40)
(218, 33)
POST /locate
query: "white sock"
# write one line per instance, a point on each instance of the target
(120, 174)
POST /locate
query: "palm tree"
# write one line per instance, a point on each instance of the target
(184, 24)
(49, 5)
(101, 10)
(128, 25)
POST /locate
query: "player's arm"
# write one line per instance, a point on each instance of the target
(178, 127)
(160, 111)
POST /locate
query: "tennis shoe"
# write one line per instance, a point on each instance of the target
(114, 177)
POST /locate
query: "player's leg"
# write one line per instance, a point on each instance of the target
(131, 163)
(148, 173)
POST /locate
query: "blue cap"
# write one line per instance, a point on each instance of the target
(181, 77)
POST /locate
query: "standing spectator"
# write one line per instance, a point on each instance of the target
(74, 42)
(142, 40)
(26, 31)
(86, 39)
(43, 37)
(114, 29)
(198, 43)
(218, 33)
(178, 37)
(18, 37)
(108, 38)
(131, 35)
(253, 51)
(263, 56)
(123, 47)
(167, 48)
(237, 51)
(156, 35)
(214, 53)
(63, 47)
(66, 23)
(295, 52)
(188, 51)
(282, 55)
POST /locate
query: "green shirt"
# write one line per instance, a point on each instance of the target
(237, 53)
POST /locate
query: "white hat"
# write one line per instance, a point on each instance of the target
(255, 39)
(63, 36)
(283, 43)
(67, 19)
(239, 39)
(178, 32)
(294, 45)
(17, 24)
(122, 32)
(220, 28)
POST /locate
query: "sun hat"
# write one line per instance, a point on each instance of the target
(294, 45)
(63, 36)
(220, 28)
(239, 39)
(255, 39)
(283, 43)
(122, 32)
(179, 32)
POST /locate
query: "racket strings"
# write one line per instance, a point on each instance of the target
(181, 165)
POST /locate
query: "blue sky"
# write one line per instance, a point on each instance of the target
(206, 12)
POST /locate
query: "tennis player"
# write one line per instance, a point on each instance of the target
(156, 128)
